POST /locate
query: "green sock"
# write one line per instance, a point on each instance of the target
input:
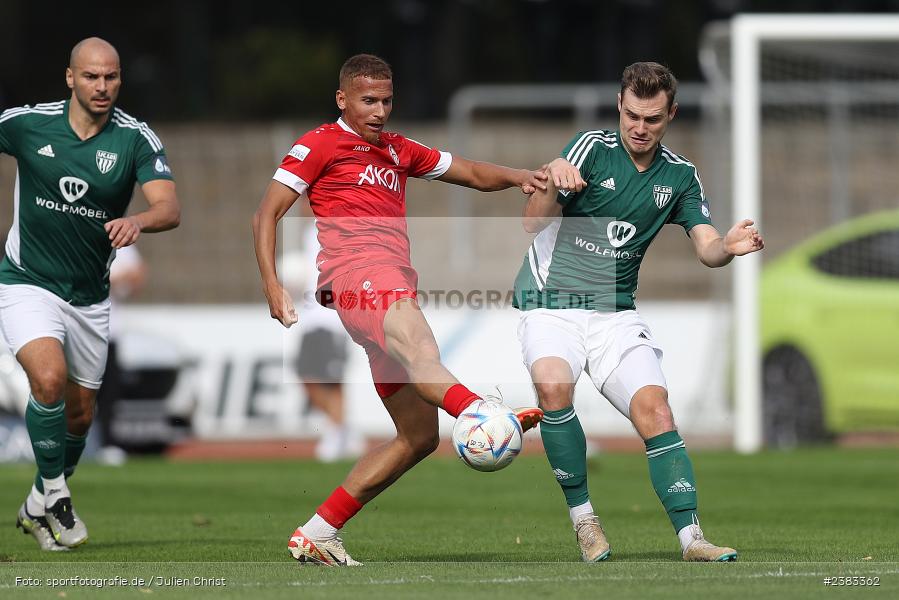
(566, 449)
(671, 473)
(47, 429)
(74, 447)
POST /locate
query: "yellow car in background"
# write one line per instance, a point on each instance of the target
(830, 333)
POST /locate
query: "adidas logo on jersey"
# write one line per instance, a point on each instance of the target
(609, 183)
(47, 151)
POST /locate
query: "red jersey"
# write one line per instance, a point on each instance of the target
(357, 191)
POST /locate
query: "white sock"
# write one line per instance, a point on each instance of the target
(34, 503)
(685, 535)
(576, 512)
(54, 489)
(319, 529)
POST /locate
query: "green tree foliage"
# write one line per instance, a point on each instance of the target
(267, 72)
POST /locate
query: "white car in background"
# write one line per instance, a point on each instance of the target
(154, 409)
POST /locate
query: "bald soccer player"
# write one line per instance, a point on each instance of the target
(78, 161)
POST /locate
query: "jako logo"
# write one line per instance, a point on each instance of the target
(72, 188)
(380, 175)
(620, 233)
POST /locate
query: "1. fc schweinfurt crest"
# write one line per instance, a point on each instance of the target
(106, 161)
(393, 154)
(662, 194)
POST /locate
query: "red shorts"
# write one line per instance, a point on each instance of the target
(361, 298)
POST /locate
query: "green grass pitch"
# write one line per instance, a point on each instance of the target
(445, 531)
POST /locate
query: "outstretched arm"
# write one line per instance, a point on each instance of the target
(716, 251)
(163, 214)
(488, 177)
(277, 201)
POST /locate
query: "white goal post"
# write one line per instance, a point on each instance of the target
(748, 32)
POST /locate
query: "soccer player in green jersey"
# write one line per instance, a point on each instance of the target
(576, 290)
(78, 161)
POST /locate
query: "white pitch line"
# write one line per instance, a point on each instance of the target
(575, 578)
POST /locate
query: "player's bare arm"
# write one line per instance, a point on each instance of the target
(541, 208)
(275, 203)
(716, 251)
(488, 177)
(164, 213)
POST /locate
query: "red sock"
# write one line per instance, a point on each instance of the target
(339, 508)
(457, 399)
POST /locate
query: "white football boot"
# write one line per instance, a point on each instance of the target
(39, 529)
(330, 553)
(67, 528)
(701, 550)
(592, 539)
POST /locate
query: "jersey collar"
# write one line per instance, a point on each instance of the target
(346, 127)
(65, 118)
(655, 158)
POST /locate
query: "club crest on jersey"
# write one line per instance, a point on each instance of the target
(72, 188)
(106, 161)
(661, 194)
(393, 154)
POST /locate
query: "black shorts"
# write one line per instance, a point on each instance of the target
(323, 356)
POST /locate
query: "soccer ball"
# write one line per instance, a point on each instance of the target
(487, 436)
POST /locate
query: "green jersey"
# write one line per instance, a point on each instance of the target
(66, 190)
(590, 257)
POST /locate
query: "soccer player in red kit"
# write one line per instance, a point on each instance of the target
(355, 175)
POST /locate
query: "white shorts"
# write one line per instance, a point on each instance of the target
(596, 342)
(28, 312)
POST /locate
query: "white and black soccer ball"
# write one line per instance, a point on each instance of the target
(487, 436)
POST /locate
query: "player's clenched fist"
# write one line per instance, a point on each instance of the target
(565, 176)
